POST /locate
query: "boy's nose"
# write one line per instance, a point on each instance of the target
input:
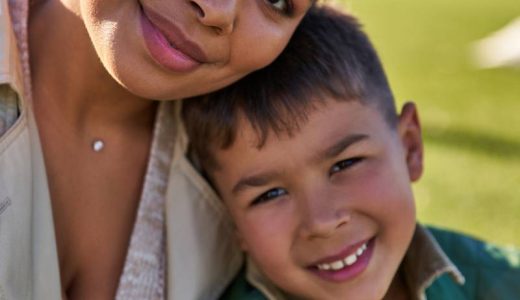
(322, 217)
(220, 15)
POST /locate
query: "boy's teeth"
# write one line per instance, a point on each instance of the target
(348, 261)
(337, 265)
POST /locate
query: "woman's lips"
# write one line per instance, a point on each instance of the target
(345, 265)
(167, 44)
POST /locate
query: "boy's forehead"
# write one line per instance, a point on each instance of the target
(325, 125)
(326, 115)
(246, 133)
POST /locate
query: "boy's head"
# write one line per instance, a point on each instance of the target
(314, 163)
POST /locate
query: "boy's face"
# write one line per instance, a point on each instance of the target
(327, 213)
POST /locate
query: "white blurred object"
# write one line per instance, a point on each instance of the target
(500, 49)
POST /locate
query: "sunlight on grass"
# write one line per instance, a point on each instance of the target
(470, 116)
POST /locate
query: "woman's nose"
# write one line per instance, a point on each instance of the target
(219, 15)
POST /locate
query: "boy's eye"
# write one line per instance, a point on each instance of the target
(345, 164)
(283, 6)
(269, 195)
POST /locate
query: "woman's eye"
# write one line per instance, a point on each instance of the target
(345, 164)
(269, 195)
(283, 6)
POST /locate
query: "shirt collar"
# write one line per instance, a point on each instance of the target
(423, 263)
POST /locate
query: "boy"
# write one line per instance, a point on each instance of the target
(314, 166)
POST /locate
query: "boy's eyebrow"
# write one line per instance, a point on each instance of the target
(253, 180)
(341, 145)
(333, 151)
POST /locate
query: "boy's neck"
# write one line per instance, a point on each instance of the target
(398, 289)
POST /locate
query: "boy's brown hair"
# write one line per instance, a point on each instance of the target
(328, 57)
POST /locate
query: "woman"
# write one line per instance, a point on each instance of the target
(96, 198)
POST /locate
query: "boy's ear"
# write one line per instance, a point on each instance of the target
(409, 129)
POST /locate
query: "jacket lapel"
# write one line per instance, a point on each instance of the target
(27, 244)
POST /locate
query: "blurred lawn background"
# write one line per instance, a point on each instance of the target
(470, 117)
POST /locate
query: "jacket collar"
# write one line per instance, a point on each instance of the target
(424, 262)
(14, 64)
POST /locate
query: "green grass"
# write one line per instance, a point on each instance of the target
(470, 116)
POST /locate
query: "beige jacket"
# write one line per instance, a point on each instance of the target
(202, 256)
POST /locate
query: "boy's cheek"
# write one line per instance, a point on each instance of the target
(262, 229)
(240, 239)
(379, 185)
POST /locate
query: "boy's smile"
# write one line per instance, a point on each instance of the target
(346, 264)
(327, 212)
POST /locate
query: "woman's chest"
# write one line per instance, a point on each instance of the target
(95, 199)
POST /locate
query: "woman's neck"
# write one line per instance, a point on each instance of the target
(68, 79)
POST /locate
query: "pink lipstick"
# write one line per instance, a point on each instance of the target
(167, 44)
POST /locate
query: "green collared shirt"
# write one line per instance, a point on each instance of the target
(438, 265)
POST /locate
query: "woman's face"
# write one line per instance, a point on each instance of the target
(170, 49)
